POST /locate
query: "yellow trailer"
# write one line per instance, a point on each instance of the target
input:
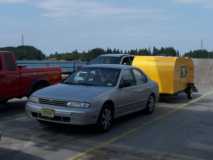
(173, 74)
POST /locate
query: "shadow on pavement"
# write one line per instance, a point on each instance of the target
(12, 108)
(74, 138)
(7, 154)
(177, 99)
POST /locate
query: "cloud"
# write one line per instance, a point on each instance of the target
(62, 9)
(189, 1)
(202, 3)
(65, 8)
(12, 1)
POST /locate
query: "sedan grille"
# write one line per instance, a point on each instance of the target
(52, 102)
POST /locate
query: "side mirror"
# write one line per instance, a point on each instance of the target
(124, 84)
(145, 79)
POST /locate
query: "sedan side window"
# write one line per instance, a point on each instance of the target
(127, 79)
(140, 77)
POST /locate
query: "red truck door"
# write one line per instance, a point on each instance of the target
(2, 76)
(9, 77)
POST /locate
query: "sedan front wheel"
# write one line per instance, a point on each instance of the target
(105, 119)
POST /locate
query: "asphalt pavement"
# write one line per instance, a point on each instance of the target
(178, 130)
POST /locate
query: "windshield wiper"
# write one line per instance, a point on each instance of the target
(83, 84)
(69, 83)
(86, 84)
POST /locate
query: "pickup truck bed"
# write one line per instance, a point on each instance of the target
(16, 82)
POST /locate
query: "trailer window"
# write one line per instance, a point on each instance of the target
(183, 72)
(9, 62)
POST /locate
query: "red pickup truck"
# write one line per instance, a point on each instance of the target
(17, 82)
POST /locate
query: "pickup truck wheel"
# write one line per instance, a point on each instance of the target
(105, 119)
(38, 86)
(3, 101)
(150, 105)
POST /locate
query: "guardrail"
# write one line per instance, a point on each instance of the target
(66, 66)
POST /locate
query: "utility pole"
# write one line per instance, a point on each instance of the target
(22, 39)
(22, 43)
(201, 44)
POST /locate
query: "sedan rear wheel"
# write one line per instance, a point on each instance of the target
(150, 106)
(105, 119)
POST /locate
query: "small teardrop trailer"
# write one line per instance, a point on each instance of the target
(173, 74)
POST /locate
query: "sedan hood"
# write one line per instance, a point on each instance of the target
(71, 92)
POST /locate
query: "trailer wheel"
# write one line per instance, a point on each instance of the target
(189, 93)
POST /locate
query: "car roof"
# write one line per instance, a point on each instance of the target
(111, 66)
(114, 55)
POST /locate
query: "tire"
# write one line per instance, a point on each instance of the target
(105, 119)
(189, 93)
(3, 101)
(150, 105)
(38, 87)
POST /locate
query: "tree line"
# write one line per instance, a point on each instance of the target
(32, 53)
(91, 54)
(164, 51)
(26, 52)
(199, 54)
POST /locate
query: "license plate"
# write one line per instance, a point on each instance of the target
(49, 113)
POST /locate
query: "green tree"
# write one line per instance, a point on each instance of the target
(199, 54)
(26, 52)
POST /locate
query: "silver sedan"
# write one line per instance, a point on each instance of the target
(96, 94)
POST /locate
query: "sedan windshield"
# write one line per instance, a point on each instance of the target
(106, 60)
(106, 77)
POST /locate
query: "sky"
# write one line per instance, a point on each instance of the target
(66, 25)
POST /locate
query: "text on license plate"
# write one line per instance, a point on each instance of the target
(49, 113)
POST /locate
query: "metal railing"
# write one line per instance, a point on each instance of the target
(66, 66)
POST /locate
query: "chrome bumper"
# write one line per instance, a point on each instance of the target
(63, 115)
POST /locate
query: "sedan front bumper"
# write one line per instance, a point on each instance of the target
(62, 115)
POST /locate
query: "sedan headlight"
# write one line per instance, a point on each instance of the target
(34, 99)
(78, 104)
